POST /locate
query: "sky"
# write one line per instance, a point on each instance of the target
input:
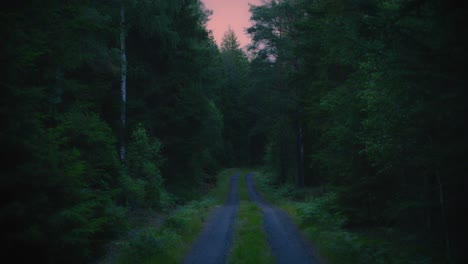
(233, 13)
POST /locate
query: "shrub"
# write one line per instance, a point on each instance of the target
(60, 201)
(133, 191)
(321, 211)
(149, 245)
(144, 160)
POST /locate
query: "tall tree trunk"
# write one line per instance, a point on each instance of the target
(283, 156)
(300, 155)
(443, 210)
(427, 209)
(444, 217)
(123, 114)
(299, 132)
(58, 92)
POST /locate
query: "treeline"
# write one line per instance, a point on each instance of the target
(367, 99)
(72, 96)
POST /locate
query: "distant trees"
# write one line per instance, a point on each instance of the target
(235, 69)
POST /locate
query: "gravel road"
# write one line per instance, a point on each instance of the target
(287, 244)
(213, 244)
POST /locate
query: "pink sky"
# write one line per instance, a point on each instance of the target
(234, 13)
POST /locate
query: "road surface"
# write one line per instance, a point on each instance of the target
(287, 244)
(213, 244)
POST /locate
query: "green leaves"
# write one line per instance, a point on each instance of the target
(370, 81)
(322, 212)
(63, 183)
(144, 182)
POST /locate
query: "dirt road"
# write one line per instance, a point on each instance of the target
(213, 244)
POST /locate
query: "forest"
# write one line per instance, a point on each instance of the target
(353, 110)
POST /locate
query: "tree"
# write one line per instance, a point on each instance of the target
(123, 55)
(272, 33)
(235, 68)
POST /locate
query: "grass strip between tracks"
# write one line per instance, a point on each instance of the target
(250, 241)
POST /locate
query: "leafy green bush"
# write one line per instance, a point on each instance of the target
(165, 244)
(133, 191)
(85, 169)
(186, 218)
(62, 200)
(321, 211)
(149, 245)
(320, 217)
(179, 220)
(167, 200)
(142, 187)
(323, 223)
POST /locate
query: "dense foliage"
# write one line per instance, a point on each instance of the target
(369, 100)
(363, 100)
(64, 190)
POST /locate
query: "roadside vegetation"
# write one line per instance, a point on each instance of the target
(169, 242)
(319, 217)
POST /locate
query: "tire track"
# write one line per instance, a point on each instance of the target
(287, 244)
(214, 241)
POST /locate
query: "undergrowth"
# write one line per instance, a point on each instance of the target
(322, 222)
(170, 242)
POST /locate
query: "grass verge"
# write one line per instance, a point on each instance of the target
(250, 242)
(169, 243)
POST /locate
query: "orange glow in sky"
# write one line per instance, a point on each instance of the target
(233, 13)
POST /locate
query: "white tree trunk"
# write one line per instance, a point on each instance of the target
(123, 116)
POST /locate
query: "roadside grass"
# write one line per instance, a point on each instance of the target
(169, 242)
(250, 244)
(316, 216)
